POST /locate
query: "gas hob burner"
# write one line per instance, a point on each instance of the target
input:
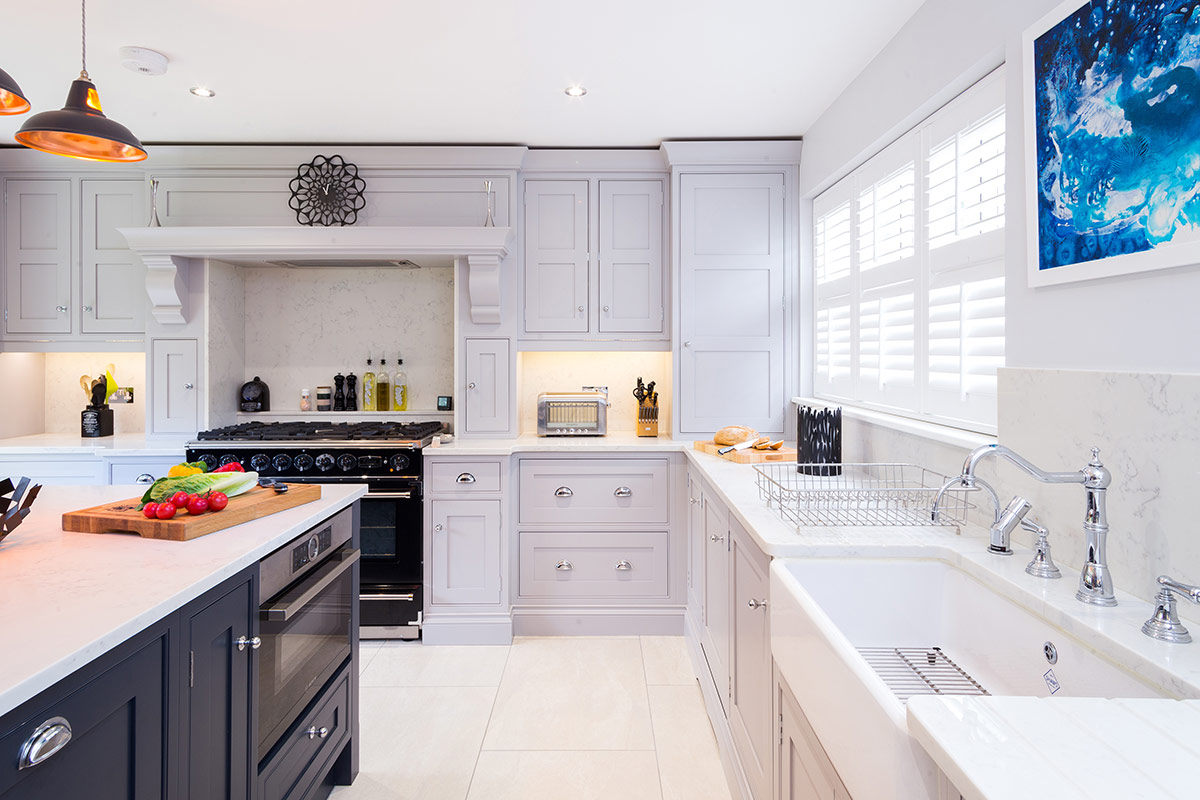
(416, 432)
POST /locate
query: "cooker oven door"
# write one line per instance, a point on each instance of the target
(306, 636)
(390, 522)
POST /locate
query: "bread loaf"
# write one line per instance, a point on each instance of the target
(734, 434)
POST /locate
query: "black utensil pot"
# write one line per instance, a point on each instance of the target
(255, 396)
(819, 441)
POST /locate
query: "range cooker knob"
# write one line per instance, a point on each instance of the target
(324, 462)
(303, 462)
(399, 462)
(259, 462)
(281, 462)
(210, 461)
(347, 462)
(229, 458)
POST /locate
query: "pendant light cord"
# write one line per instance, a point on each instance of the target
(83, 73)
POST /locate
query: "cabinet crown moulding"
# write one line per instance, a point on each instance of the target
(166, 251)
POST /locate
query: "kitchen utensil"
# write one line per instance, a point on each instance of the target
(741, 446)
(124, 515)
(640, 391)
(339, 392)
(85, 383)
(583, 413)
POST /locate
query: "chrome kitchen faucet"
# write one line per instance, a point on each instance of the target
(1095, 581)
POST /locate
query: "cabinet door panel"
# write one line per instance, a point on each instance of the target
(556, 256)
(750, 660)
(631, 264)
(487, 394)
(175, 385)
(114, 278)
(715, 642)
(38, 259)
(731, 300)
(804, 771)
(218, 706)
(466, 552)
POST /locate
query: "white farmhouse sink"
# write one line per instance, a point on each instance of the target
(824, 610)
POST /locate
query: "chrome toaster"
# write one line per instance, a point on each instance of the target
(583, 413)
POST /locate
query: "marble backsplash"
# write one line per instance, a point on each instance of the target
(65, 399)
(302, 326)
(539, 372)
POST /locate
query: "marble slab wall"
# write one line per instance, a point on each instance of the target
(302, 326)
(225, 344)
(22, 394)
(65, 399)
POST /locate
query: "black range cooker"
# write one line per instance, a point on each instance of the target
(386, 456)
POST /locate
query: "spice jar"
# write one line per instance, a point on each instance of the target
(324, 398)
(305, 400)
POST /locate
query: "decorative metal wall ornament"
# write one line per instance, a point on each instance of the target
(327, 191)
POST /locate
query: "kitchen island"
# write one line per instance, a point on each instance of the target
(95, 619)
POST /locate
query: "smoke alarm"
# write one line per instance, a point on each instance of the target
(143, 61)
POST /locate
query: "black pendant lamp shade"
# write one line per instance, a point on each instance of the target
(80, 129)
(12, 99)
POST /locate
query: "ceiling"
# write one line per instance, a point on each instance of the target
(467, 71)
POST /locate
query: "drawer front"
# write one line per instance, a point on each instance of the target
(121, 473)
(595, 492)
(51, 472)
(303, 757)
(594, 565)
(463, 476)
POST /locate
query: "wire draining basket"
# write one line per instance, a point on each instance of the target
(863, 494)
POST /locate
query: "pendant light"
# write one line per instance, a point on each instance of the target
(12, 99)
(80, 129)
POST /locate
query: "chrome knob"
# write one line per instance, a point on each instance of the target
(606, 308)
(189, 386)
(438, 527)
(687, 344)
(714, 538)
(60, 309)
(315, 732)
(465, 477)
(471, 385)
(581, 309)
(623, 491)
(756, 603)
(624, 566)
(87, 308)
(563, 566)
(563, 491)
(254, 642)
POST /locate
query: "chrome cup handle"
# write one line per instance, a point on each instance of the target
(563, 491)
(623, 491)
(564, 566)
(46, 740)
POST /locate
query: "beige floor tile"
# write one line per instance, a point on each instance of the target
(667, 662)
(585, 693)
(413, 664)
(419, 743)
(686, 746)
(366, 652)
(570, 775)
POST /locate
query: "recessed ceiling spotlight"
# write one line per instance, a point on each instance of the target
(575, 90)
(202, 91)
(143, 61)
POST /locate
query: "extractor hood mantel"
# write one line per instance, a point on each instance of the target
(166, 252)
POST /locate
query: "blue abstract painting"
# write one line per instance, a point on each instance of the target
(1117, 136)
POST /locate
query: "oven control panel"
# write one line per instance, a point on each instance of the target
(311, 549)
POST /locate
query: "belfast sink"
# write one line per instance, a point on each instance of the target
(847, 634)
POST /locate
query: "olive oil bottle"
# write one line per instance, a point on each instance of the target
(368, 388)
(383, 388)
(399, 388)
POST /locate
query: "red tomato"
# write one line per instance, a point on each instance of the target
(165, 510)
(197, 505)
(232, 466)
(150, 510)
(217, 501)
(179, 499)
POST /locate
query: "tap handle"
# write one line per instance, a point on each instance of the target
(1183, 589)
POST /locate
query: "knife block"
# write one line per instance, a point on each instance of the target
(647, 419)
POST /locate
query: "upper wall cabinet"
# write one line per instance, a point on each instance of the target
(594, 260)
(68, 276)
(731, 285)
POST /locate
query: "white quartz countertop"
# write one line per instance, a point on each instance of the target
(1065, 748)
(120, 444)
(618, 442)
(67, 598)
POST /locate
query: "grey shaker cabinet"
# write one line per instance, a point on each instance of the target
(715, 638)
(594, 259)
(174, 385)
(67, 272)
(486, 408)
(803, 770)
(465, 552)
(750, 660)
(731, 290)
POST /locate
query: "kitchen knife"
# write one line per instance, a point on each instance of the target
(741, 445)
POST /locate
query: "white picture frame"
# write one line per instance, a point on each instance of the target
(1176, 253)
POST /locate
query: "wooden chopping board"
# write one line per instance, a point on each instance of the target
(124, 515)
(749, 455)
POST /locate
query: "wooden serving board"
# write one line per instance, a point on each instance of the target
(749, 455)
(124, 515)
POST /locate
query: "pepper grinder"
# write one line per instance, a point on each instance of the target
(339, 395)
(351, 393)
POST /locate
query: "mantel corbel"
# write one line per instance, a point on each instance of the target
(483, 287)
(165, 285)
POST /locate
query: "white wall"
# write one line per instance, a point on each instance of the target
(1144, 323)
(22, 394)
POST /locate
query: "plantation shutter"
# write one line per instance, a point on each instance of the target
(832, 245)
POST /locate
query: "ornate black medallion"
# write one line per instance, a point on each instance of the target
(327, 191)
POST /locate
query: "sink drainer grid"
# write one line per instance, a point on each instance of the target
(909, 671)
(861, 494)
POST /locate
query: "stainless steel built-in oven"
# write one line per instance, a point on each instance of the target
(307, 592)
